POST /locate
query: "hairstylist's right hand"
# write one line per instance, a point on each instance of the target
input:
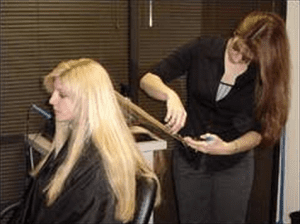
(176, 114)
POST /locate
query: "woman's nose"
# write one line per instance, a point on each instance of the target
(52, 99)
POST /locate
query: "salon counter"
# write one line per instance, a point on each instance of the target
(147, 142)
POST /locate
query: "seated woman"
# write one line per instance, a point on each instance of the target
(90, 174)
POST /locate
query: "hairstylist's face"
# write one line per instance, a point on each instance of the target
(62, 104)
(235, 51)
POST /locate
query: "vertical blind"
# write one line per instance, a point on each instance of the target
(35, 36)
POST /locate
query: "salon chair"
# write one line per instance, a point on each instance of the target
(146, 194)
(8, 211)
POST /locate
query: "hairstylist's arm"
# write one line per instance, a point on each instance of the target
(216, 146)
(154, 87)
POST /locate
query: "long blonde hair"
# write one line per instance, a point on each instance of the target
(98, 118)
(265, 35)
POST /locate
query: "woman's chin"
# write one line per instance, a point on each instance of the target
(61, 119)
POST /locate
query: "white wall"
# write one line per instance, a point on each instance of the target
(291, 198)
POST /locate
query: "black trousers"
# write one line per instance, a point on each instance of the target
(208, 196)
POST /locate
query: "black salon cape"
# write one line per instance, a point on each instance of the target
(86, 197)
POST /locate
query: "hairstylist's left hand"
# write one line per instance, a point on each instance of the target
(213, 145)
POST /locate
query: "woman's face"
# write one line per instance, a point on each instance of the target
(235, 49)
(61, 101)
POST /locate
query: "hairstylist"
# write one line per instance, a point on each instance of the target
(238, 99)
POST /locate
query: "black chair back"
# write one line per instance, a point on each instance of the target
(146, 194)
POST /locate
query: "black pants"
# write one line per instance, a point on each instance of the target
(207, 196)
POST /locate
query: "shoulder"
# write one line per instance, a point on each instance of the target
(206, 46)
(89, 168)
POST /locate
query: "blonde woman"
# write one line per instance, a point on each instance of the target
(90, 175)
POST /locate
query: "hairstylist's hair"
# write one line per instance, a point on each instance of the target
(265, 35)
(98, 118)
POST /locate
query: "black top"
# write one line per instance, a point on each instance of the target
(202, 60)
(86, 196)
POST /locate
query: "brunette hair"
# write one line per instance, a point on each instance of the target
(98, 117)
(264, 33)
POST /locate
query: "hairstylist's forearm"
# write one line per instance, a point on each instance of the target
(246, 142)
(154, 87)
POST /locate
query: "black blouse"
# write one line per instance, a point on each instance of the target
(202, 60)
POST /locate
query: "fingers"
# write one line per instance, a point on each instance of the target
(211, 144)
(208, 137)
(206, 144)
(176, 114)
(196, 144)
(176, 120)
